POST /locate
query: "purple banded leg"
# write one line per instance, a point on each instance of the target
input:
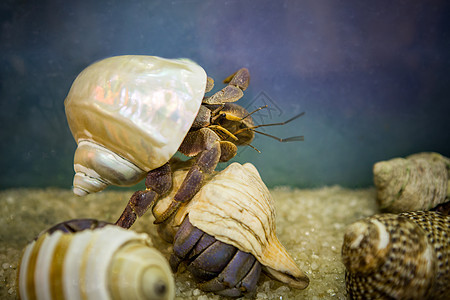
(251, 279)
(212, 260)
(204, 242)
(77, 225)
(158, 182)
(219, 267)
(238, 277)
(205, 163)
(185, 240)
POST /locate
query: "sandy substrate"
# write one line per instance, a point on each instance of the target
(310, 224)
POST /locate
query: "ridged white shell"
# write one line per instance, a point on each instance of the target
(105, 263)
(135, 111)
(236, 208)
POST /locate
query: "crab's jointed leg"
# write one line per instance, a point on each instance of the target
(158, 182)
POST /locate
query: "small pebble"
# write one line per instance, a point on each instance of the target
(261, 296)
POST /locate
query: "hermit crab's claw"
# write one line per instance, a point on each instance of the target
(237, 83)
(240, 79)
(209, 84)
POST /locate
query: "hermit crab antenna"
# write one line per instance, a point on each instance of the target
(258, 109)
(289, 139)
(281, 123)
(254, 148)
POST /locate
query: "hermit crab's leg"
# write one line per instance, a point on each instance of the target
(223, 269)
(77, 225)
(205, 145)
(239, 276)
(186, 238)
(158, 182)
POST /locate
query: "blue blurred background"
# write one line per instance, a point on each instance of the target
(372, 77)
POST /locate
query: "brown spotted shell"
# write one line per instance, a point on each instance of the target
(403, 256)
(236, 208)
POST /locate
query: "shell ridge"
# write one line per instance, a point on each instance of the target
(204, 217)
(233, 207)
(24, 270)
(225, 231)
(73, 275)
(256, 207)
(43, 265)
(263, 207)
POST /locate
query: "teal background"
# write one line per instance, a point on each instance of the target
(372, 77)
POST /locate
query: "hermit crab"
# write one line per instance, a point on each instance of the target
(88, 259)
(226, 234)
(398, 256)
(130, 114)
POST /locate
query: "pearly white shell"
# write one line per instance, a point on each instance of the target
(105, 263)
(236, 208)
(129, 115)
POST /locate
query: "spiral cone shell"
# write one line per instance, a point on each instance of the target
(403, 256)
(128, 115)
(105, 263)
(236, 208)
